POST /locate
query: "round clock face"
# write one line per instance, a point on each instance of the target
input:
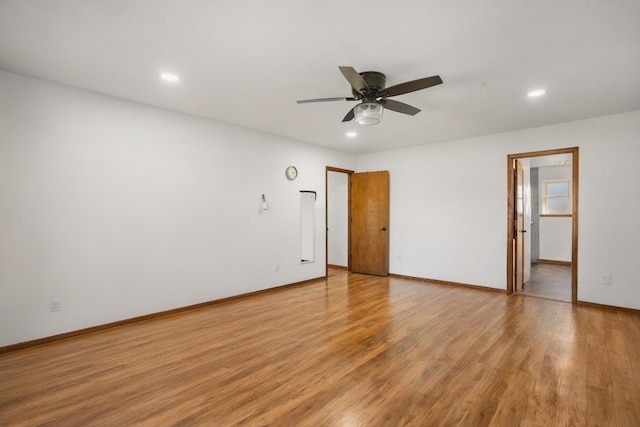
(291, 173)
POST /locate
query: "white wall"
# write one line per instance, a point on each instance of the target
(122, 209)
(555, 232)
(337, 217)
(448, 205)
(555, 238)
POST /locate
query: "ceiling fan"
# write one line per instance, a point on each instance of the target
(369, 87)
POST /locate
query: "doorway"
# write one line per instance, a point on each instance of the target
(337, 219)
(542, 229)
(366, 215)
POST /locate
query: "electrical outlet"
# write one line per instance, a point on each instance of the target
(606, 279)
(56, 305)
(276, 267)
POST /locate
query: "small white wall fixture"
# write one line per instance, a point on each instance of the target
(307, 226)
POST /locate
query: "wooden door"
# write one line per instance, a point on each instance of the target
(519, 225)
(369, 222)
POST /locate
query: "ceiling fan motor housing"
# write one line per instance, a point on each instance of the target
(376, 82)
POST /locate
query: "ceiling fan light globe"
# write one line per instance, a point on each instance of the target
(368, 113)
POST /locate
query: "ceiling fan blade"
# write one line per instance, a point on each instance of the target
(350, 115)
(411, 86)
(355, 80)
(399, 107)
(307, 101)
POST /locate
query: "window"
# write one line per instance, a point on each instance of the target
(556, 197)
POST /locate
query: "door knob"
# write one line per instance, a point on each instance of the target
(383, 229)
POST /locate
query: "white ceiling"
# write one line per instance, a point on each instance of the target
(246, 62)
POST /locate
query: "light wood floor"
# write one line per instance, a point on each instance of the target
(352, 350)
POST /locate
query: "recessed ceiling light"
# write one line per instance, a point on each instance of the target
(352, 134)
(170, 77)
(537, 92)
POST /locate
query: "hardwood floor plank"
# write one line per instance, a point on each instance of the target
(347, 350)
(519, 404)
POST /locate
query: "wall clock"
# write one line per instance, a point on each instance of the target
(291, 172)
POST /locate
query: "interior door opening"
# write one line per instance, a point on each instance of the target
(337, 218)
(366, 215)
(542, 237)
